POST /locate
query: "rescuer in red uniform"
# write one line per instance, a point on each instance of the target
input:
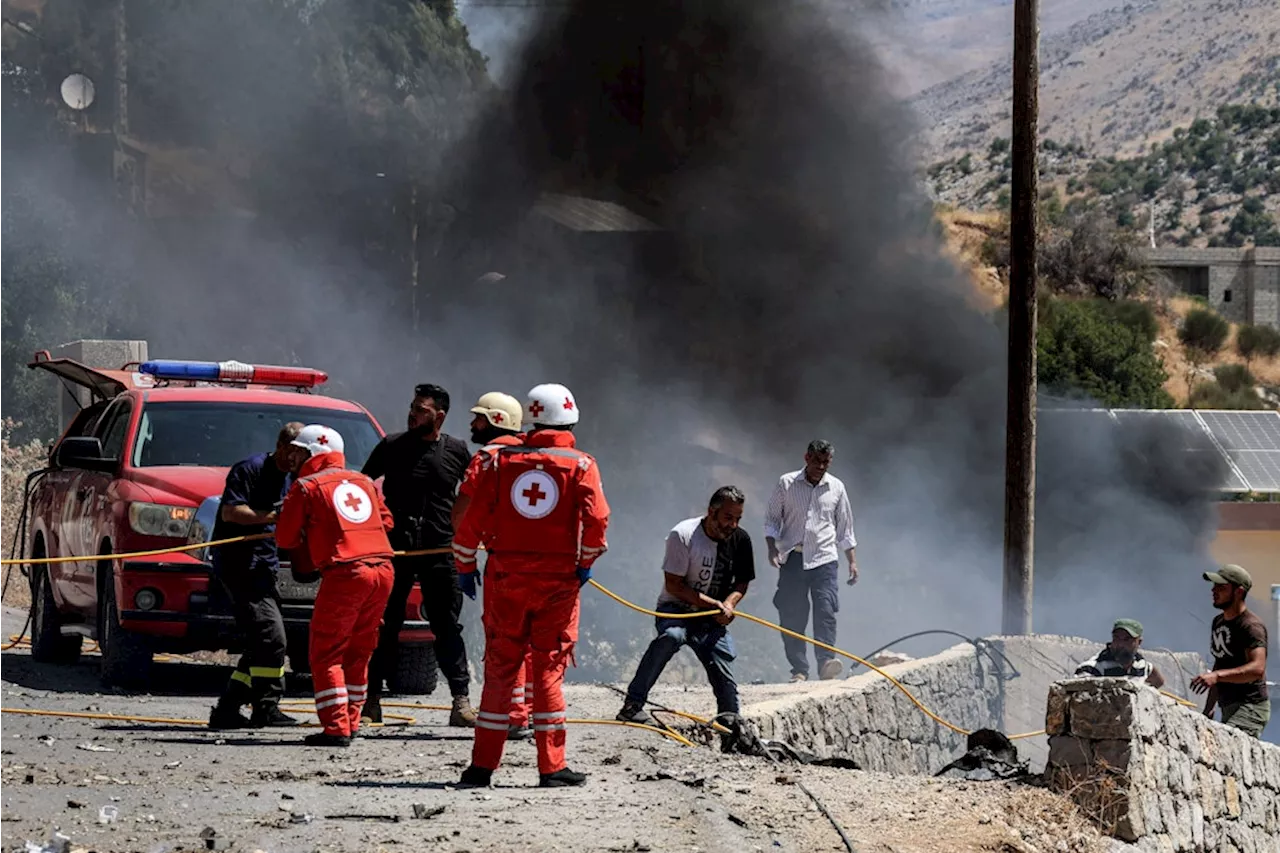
(497, 424)
(539, 509)
(333, 520)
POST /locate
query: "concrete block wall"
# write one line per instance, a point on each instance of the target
(1265, 308)
(1229, 292)
(1160, 775)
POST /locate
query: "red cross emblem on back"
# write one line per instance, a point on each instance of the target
(534, 493)
(536, 408)
(353, 501)
(568, 404)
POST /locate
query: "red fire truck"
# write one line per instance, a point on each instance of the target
(142, 468)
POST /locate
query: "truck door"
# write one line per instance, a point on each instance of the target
(57, 496)
(88, 517)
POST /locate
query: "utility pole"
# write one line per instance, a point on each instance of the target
(120, 70)
(1020, 439)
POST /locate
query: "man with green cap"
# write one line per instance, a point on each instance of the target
(1121, 658)
(1238, 643)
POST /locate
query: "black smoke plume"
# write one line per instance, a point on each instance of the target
(799, 291)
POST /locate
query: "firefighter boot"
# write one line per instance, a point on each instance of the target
(565, 778)
(227, 716)
(326, 739)
(462, 716)
(270, 716)
(476, 777)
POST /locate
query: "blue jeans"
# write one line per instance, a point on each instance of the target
(796, 586)
(709, 641)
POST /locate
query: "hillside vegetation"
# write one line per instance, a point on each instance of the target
(1111, 331)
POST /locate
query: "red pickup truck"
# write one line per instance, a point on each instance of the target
(142, 468)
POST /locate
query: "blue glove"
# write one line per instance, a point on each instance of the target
(584, 575)
(467, 582)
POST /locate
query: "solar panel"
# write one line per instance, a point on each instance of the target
(1249, 440)
(1193, 430)
(1261, 468)
(1245, 430)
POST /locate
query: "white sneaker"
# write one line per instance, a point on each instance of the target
(798, 677)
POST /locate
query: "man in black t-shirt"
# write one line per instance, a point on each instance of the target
(1238, 643)
(421, 469)
(250, 500)
(708, 566)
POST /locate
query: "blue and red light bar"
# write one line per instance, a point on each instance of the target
(234, 371)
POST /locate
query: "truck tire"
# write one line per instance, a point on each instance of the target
(416, 671)
(126, 656)
(48, 645)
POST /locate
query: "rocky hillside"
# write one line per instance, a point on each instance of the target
(1214, 182)
(1118, 79)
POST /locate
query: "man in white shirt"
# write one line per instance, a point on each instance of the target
(708, 566)
(807, 523)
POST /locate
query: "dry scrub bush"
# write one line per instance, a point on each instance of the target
(16, 462)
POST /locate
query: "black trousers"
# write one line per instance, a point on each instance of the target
(259, 676)
(442, 601)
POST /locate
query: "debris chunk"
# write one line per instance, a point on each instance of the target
(93, 747)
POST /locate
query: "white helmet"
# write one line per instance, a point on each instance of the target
(501, 410)
(318, 439)
(551, 405)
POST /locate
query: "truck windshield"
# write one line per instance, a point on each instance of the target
(218, 435)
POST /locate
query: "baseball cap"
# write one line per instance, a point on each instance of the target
(1232, 574)
(1130, 626)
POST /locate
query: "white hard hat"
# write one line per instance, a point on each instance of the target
(551, 405)
(318, 439)
(501, 410)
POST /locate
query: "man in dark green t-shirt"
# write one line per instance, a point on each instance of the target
(1238, 643)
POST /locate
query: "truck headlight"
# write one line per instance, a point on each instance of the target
(160, 519)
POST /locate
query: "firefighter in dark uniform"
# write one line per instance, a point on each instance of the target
(250, 503)
(421, 469)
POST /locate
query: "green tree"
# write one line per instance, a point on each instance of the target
(1257, 342)
(1204, 332)
(1095, 349)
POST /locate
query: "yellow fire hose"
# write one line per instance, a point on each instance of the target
(666, 731)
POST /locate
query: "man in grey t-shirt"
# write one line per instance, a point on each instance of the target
(708, 566)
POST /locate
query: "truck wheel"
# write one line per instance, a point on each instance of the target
(126, 656)
(48, 645)
(416, 671)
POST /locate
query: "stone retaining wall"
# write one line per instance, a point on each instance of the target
(1159, 774)
(867, 719)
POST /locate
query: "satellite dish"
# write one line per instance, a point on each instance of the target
(77, 91)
